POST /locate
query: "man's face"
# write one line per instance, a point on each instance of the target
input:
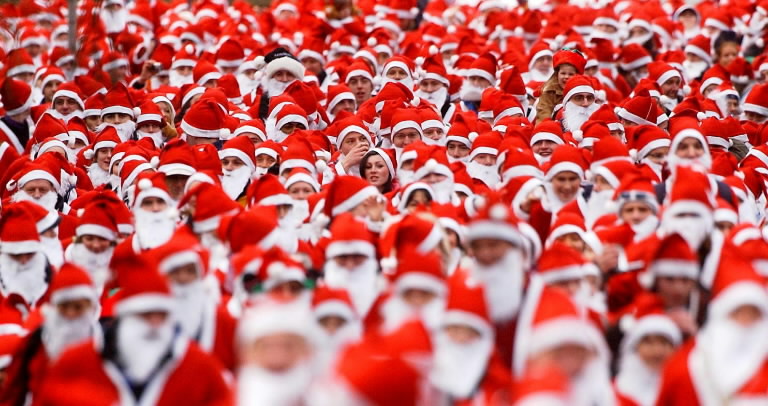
(95, 244)
(265, 161)
(405, 136)
(565, 185)
(344, 105)
(654, 350)
(37, 188)
(396, 73)
(175, 184)
(543, 64)
(116, 118)
(732, 106)
(283, 76)
(26, 77)
(184, 274)
(118, 74)
(674, 291)
(351, 141)
(74, 309)
(489, 251)
(312, 65)
(153, 204)
(574, 241)
(671, 87)
(485, 159)
(361, 87)
(231, 163)
(755, 117)
(690, 148)
(430, 85)
(457, 150)
(92, 122)
(418, 298)
(544, 148)
(191, 140)
(582, 99)
(103, 155)
(149, 127)
(278, 352)
(289, 128)
(50, 89)
(434, 133)
(635, 212)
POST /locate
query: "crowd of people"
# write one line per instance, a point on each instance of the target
(390, 203)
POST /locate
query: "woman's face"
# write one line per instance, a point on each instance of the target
(300, 190)
(690, 148)
(417, 198)
(728, 52)
(376, 171)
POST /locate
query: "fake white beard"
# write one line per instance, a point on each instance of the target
(645, 228)
(259, 386)
(66, 118)
(140, 346)
(488, 174)
(48, 200)
(539, 76)
(60, 333)
(592, 386)
(247, 84)
(407, 82)
(300, 210)
(668, 102)
(157, 137)
(599, 204)
(636, 381)
(274, 87)
(53, 250)
(743, 349)
(396, 312)
(552, 201)
(360, 283)
(153, 229)
(404, 176)
(234, 181)
(437, 97)
(27, 281)
(330, 345)
(440, 142)
(458, 368)
(693, 229)
(470, 93)
(191, 300)
(693, 70)
(97, 175)
(259, 172)
(443, 191)
(114, 21)
(464, 159)
(97, 265)
(574, 116)
(542, 159)
(503, 285)
(124, 130)
(656, 168)
(176, 79)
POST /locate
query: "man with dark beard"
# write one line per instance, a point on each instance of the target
(726, 362)
(578, 102)
(70, 318)
(24, 269)
(142, 358)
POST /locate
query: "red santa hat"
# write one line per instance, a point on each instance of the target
(206, 119)
(495, 220)
(44, 219)
(16, 97)
(268, 191)
(255, 126)
(257, 226)
(692, 192)
(297, 175)
(403, 62)
(641, 109)
(570, 57)
(205, 71)
(267, 316)
(549, 318)
(278, 267)
(345, 193)
(212, 204)
(431, 160)
(150, 184)
(358, 69)
(97, 219)
(18, 232)
(119, 100)
(71, 283)
(230, 54)
(18, 61)
(634, 56)
(646, 138)
(240, 147)
(485, 67)
(149, 112)
(577, 84)
(71, 90)
(349, 237)
(177, 158)
(651, 324)
(34, 170)
(736, 284)
(327, 301)
(337, 94)
(419, 270)
(142, 288)
(757, 100)
(352, 124)
(701, 47)
(565, 158)
(673, 257)
(560, 262)
(113, 60)
(548, 130)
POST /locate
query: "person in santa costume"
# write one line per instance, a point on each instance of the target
(154, 216)
(736, 316)
(578, 102)
(265, 376)
(339, 324)
(183, 262)
(94, 243)
(16, 125)
(70, 318)
(142, 358)
(282, 69)
(645, 349)
(566, 63)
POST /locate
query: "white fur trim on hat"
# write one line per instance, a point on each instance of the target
(432, 166)
(177, 169)
(627, 115)
(693, 49)
(564, 167)
(24, 107)
(115, 64)
(738, 294)
(755, 108)
(407, 124)
(199, 133)
(68, 93)
(578, 89)
(74, 293)
(149, 302)
(562, 274)
(636, 63)
(354, 247)
(542, 136)
(291, 118)
(236, 153)
(20, 247)
(422, 281)
(38, 174)
(288, 64)
(354, 200)
(494, 230)
(483, 150)
(216, 75)
(97, 230)
(481, 73)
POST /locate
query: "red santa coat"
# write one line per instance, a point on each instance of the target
(26, 373)
(685, 381)
(82, 377)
